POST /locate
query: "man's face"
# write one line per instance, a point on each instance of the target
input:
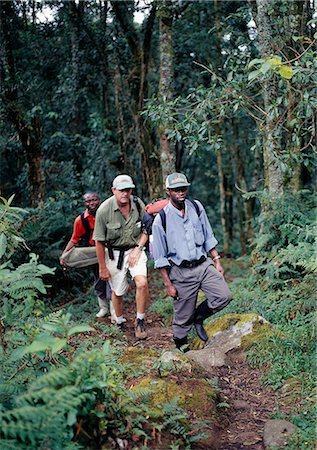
(92, 203)
(177, 195)
(122, 196)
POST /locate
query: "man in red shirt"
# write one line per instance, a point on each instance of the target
(83, 229)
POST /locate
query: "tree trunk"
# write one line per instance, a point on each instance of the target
(222, 193)
(272, 130)
(167, 148)
(138, 87)
(75, 12)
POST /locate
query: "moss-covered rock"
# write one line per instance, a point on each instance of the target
(140, 360)
(239, 324)
(194, 395)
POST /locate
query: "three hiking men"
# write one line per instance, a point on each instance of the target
(184, 249)
(185, 253)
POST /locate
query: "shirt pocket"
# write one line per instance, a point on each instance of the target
(137, 229)
(199, 235)
(113, 231)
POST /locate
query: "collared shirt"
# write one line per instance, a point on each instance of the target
(79, 230)
(113, 227)
(187, 237)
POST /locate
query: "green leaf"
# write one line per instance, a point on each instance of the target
(3, 244)
(79, 329)
(254, 74)
(275, 61)
(253, 62)
(285, 72)
(58, 345)
(18, 353)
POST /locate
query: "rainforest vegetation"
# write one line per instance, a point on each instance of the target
(223, 91)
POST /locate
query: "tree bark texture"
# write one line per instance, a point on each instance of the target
(222, 194)
(272, 129)
(167, 148)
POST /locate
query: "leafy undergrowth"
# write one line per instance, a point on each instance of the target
(66, 382)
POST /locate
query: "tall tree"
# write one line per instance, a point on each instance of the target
(139, 45)
(165, 92)
(272, 131)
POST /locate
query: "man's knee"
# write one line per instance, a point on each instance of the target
(141, 283)
(222, 301)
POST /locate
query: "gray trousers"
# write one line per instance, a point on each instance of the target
(188, 282)
(102, 289)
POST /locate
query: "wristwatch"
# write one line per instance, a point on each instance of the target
(141, 247)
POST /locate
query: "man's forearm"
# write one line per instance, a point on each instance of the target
(70, 245)
(166, 279)
(143, 239)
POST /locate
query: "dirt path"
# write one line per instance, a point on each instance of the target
(247, 404)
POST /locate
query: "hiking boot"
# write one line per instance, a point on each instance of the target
(120, 326)
(102, 313)
(182, 344)
(202, 312)
(140, 332)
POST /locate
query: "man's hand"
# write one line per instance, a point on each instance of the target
(219, 267)
(171, 291)
(134, 256)
(104, 274)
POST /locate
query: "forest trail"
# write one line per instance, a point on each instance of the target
(247, 403)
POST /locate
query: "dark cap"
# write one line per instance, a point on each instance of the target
(176, 180)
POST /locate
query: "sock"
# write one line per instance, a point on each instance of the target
(140, 315)
(120, 320)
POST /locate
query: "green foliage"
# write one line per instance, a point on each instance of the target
(285, 247)
(273, 63)
(282, 289)
(163, 307)
(10, 221)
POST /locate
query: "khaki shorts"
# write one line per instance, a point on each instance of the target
(119, 280)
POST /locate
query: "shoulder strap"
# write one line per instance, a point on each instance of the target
(194, 203)
(163, 218)
(88, 231)
(85, 222)
(163, 214)
(137, 204)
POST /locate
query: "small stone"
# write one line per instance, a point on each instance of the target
(240, 404)
(277, 432)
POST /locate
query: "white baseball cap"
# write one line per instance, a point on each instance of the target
(123, 182)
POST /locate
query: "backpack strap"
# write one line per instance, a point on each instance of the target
(163, 218)
(137, 204)
(194, 203)
(163, 214)
(88, 231)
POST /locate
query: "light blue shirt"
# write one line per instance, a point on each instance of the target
(186, 238)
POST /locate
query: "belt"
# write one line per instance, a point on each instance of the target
(122, 250)
(194, 263)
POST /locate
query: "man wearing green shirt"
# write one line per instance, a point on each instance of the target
(120, 248)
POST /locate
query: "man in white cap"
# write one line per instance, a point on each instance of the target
(184, 250)
(120, 245)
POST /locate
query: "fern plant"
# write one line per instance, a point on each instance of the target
(285, 247)
(10, 223)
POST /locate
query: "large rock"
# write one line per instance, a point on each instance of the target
(277, 432)
(226, 334)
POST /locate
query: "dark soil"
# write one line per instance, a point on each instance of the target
(246, 404)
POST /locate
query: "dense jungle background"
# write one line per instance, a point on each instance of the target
(223, 91)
